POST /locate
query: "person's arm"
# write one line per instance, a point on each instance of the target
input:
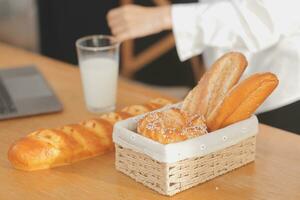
(132, 21)
(235, 24)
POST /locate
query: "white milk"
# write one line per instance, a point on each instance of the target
(99, 77)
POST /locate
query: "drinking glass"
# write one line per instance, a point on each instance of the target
(98, 57)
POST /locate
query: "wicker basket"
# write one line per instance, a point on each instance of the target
(169, 169)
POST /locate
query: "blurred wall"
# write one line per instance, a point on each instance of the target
(63, 21)
(19, 23)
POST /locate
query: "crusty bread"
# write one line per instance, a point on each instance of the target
(216, 97)
(171, 126)
(242, 101)
(47, 148)
(214, 84)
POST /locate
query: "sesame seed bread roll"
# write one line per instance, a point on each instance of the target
(173, 125)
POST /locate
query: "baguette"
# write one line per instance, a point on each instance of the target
(214, 84)
(242, 101)
(47, 148)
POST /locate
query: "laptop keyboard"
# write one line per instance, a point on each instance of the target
(7, 106)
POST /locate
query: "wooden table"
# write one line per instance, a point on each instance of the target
(274, 175)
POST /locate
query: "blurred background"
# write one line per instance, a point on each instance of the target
(51, 27)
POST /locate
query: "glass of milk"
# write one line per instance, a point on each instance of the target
(98, 57)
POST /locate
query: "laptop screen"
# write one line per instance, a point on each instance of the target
(31, 86)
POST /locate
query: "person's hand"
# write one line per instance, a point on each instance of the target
(132, 21)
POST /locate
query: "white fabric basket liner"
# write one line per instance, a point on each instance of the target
(124, 134)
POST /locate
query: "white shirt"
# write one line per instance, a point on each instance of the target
(267, 32)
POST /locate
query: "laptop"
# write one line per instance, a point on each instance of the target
(24, 92)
